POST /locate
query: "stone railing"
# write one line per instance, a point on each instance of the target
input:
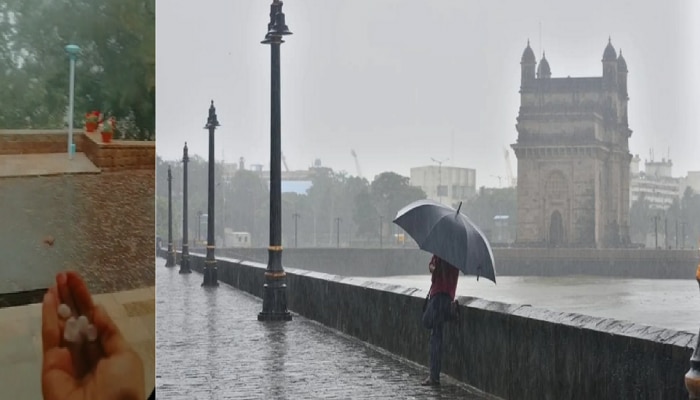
(115, 156)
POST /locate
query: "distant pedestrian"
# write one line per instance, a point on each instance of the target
(438, 310)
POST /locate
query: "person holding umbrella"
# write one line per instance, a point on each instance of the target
(457, 244)
(438, 311)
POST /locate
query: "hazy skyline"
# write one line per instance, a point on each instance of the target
(402, 82)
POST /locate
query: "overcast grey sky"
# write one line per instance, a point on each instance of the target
(401, 81)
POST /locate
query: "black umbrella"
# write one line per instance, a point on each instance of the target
(450, 235)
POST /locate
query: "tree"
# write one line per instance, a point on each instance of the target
(391, 192)
(365, 215)
(115, 72)
(488, 203)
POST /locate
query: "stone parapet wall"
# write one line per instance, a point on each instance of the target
(628, 263)
(38, 141)
(120, 155)
(511, 351)
(115, 156)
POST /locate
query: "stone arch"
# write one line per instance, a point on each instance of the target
(556, 229)
(556, 213)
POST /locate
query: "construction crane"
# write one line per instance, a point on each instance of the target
(284, 161)
(511, 181)
(357, 163)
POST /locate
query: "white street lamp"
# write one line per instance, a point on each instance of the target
(72, 51)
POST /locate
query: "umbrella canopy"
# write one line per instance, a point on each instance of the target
(450, 235)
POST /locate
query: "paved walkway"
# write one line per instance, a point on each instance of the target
(20, 339)
(16, 165)
(211, 345)
(100, 225)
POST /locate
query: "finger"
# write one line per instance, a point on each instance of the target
(57, 376)
(109, 335)
(80, 293)
(64, 292)
(93, 352)
(50, 327)
(53, 291)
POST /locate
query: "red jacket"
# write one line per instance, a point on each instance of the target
(444, 278)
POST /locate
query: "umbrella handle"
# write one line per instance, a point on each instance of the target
(458, 208)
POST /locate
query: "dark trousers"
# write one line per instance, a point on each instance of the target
(435, 315)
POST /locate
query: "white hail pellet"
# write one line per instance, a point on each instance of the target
(91, 332)
(82, 323)
(64, 311)
(71, 332)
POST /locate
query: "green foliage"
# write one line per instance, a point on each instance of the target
(115, 72)
(333, 195)
(491, 202)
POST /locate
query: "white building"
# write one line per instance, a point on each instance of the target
(692, 180)
(448, 185)
(656, 183)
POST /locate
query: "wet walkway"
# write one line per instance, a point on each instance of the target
(210, 345)
(98, 224)
(15, 165)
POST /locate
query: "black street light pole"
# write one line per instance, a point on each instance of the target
(683, 234)
(296, 217)
(337, 224)
(185, 258)
(199, 226)
(210, 275)
(656, 219)
(275, 288)
(170, 260)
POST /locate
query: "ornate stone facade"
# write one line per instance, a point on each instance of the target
(573, 156)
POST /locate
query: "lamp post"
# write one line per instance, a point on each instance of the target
(381, 222)
(275, 287)
(170, 260)
(73, 52)
(199, 226)
(185, 257)
(656, 219)
(210, 278)
(337, 231)
(296, 217)
(439, 163)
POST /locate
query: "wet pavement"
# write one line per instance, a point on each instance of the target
(211, 345)
(45, 165)
(101, 225)
(665, 303)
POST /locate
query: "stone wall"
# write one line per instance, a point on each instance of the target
(115, 156)
(38, 141)
(629, 263)
(511, 351)
(119, 155)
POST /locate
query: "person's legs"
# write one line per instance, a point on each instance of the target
(435, 352)
(430, 314)
(434, 317)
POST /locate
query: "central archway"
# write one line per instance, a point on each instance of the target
(556, 229)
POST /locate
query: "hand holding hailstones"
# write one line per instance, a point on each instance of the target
(76, 329)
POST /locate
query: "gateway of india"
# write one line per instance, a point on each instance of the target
(573, 156)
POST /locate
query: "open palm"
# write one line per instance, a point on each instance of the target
(107, 368)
